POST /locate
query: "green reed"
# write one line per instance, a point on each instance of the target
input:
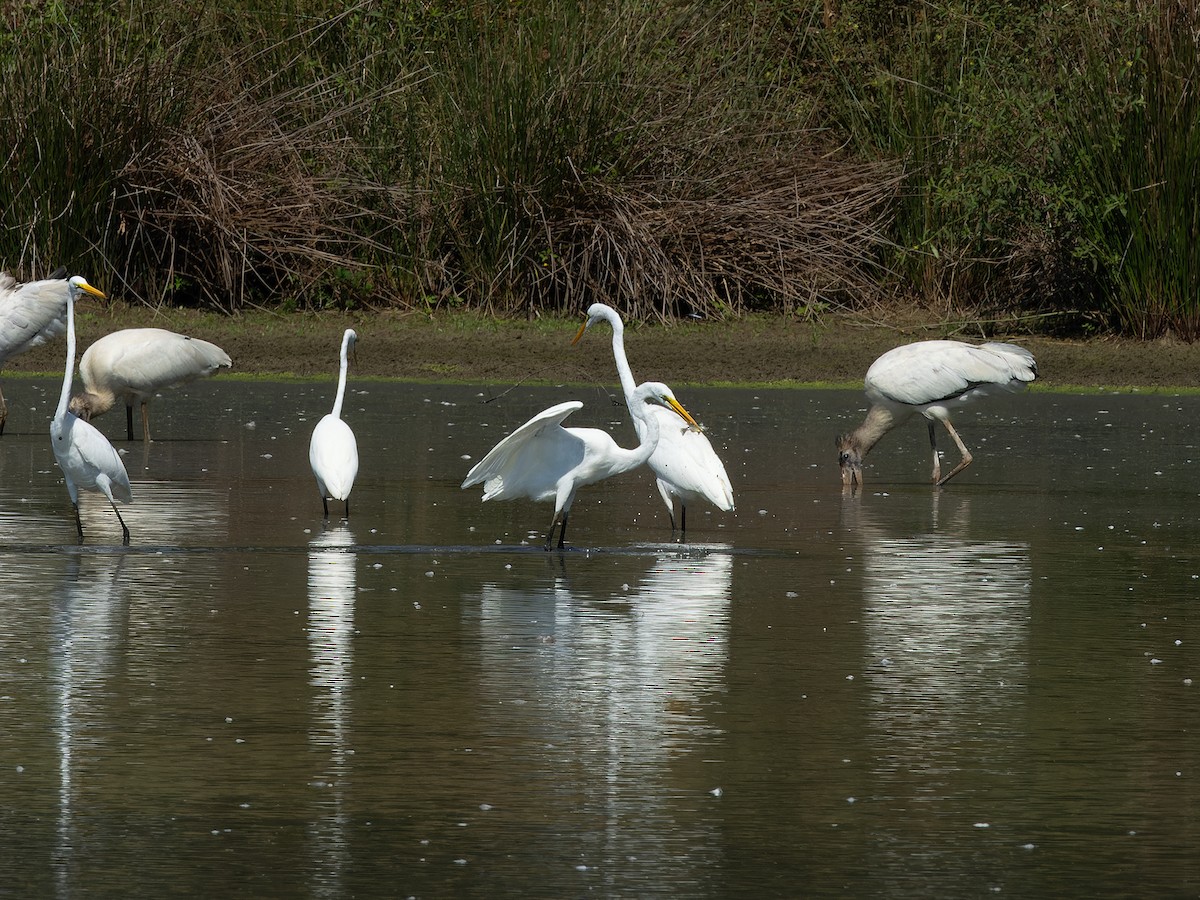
(1134, 135)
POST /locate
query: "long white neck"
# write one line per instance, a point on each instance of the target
(618, 347)
(648, 431)
(65, 397)
(341, 391)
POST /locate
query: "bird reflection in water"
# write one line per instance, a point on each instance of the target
(945, 620)
(628, 667)
(87, 630)
(332, 583)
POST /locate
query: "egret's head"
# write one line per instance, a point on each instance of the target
(659, 394)
(850, 459)
(77, 285)
(599, 312)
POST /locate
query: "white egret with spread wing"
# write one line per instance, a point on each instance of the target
(30, 314)
(544, 461)
(333, 451)
(85, 456)
(134, 364)
(931, 378)
(684, 463)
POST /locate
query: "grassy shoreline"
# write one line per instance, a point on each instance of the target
(833, 351)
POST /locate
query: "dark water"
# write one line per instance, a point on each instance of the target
(905, 693)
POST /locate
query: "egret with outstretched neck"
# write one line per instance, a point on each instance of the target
(684, 463)
(931, 378)
(333, 451)
(544, 461)
(85, 456)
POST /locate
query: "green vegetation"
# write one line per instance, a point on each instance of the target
(1032, 163)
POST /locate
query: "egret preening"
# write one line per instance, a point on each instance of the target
(30, 314)
(543, 461)
(684, 462)
(134, 364)
(85, 456)
(333, 451)
(931, 377)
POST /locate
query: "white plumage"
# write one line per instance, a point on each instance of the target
(932, 378)
(544, 461)
(684, 463)
(30, 314)
(134, 364)
(333, 451)
(85, 456)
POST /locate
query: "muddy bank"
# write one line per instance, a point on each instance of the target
(469, 348)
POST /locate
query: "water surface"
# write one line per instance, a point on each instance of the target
(902, 692)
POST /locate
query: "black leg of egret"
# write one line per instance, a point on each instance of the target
(124, 528)
(128, 423)
(682, 520)
(347, 507)
(78, 521)
(562, 531)
(325, 505)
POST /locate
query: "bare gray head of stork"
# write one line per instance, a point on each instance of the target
(850, 459)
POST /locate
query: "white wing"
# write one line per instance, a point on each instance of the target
(144, 360)
(30, 314)
(333, 455)
(531, 460)
(86, 456)
(933, 371)
(686, 463)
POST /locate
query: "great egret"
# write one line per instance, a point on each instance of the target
(85, 456)
(30, 314)
(134, 364)
(684, 462)
(333, 451)
(931, 377)
(543, 461)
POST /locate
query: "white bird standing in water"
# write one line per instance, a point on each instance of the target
(931, 377)
(684, 463)
(543, 461)
(85, 456)
(30, 314)
(134, 364)
(333, 451)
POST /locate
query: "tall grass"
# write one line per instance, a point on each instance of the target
(1134, 135)
(953, 92)
(78, 99)
(522, 158)
(684, 158)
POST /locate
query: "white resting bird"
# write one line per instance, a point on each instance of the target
(684, 463)
(931, 378)
(85, 456)
(30, 314)
(333, 451)
(544, 461)
(134, 364)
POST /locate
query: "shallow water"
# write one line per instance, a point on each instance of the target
(905, 692)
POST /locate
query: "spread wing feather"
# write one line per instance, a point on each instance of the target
(529, 462)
